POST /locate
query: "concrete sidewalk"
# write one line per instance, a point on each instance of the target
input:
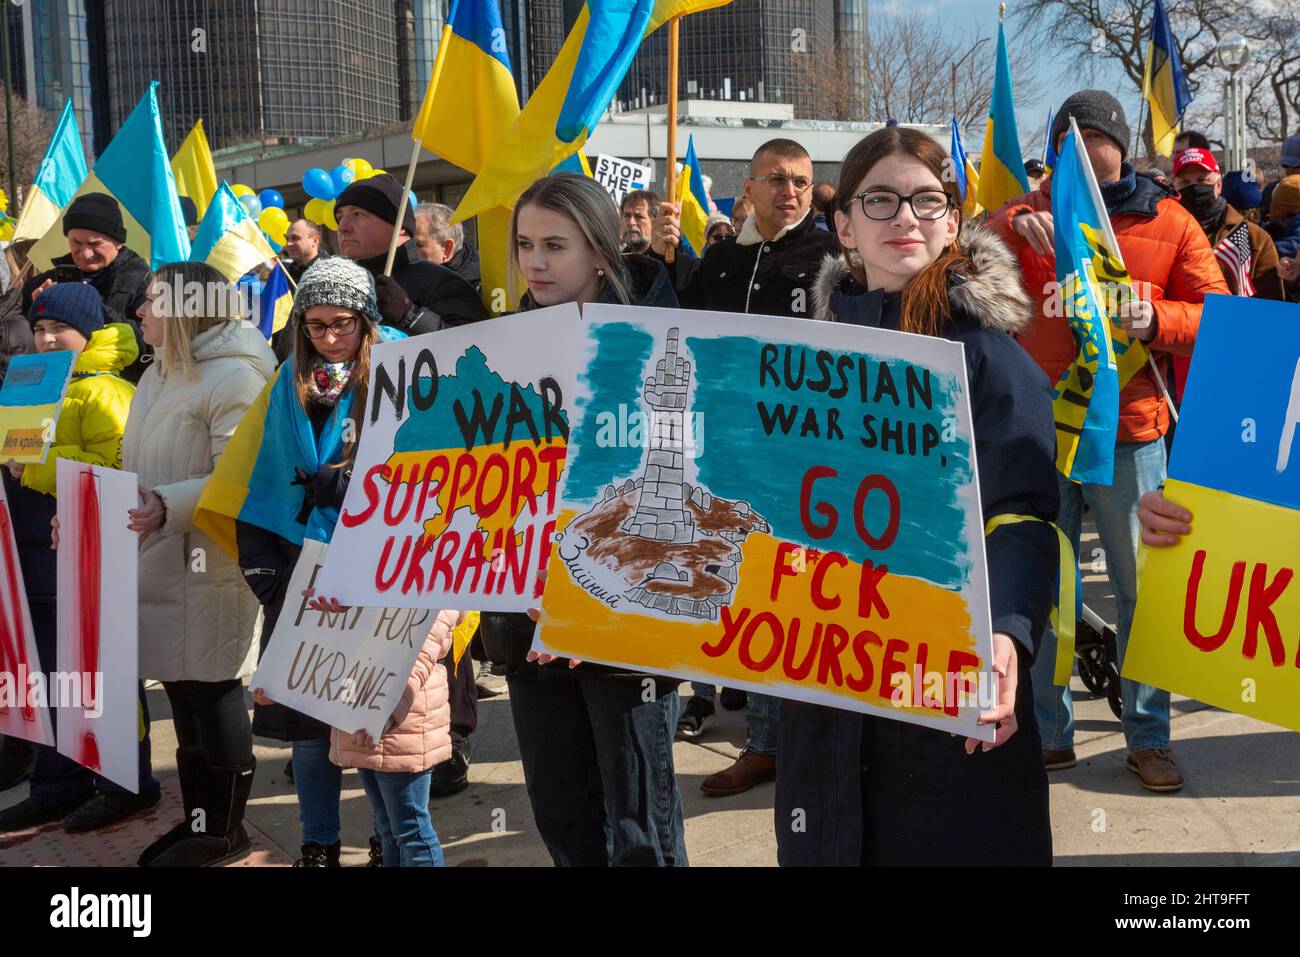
(1241, 805)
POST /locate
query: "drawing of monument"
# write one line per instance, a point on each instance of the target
(655, 540)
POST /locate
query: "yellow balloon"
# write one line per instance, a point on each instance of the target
(373, 172)
(275, 223)
(239, 189)
(330, 220)
(315, 210)
(361, 168)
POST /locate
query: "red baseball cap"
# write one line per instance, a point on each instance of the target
(1195, 157)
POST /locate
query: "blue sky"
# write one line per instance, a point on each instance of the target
(1039, 80)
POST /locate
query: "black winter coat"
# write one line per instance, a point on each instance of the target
(441, 298)
(874, 791)
(31, 511)
(508, 636)
(122, 285)
(750, 274)
(465, 264)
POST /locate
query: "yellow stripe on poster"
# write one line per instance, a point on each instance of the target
(1218, 614)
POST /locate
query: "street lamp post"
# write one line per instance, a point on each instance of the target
(9, 99)
(1234, 53)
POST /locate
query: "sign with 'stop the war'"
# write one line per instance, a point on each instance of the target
(796, 513)
(463, 441)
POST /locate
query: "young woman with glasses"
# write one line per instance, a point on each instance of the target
(877, 791)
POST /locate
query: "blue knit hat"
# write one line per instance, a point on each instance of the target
(1242, 194)
(74, 304)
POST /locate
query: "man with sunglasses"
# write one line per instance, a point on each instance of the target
(770, 265)
(767, 268)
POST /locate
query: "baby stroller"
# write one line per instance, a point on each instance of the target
(1094, 646)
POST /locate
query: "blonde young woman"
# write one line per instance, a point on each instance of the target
(198, 620)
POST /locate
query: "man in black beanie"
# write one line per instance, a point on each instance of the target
(97, 251)
(420, 296)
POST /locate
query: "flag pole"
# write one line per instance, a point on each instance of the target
(670, 253)
(401, 209)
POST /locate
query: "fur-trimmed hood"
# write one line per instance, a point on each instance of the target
(988, 289)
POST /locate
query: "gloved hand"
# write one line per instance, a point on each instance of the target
(394, 304)
(325, 489)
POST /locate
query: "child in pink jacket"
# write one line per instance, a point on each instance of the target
(395, 771)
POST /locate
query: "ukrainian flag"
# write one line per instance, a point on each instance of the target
(1164, 85)
(275, 302)
(1002, 169)
(968, 178)
(568, 103)
(576, 164)
(465, 119)
(192, 166)
(1050, 157)
(61, 171)
(136, 171)
(693, 199)
(1093, 282)
(228, 239)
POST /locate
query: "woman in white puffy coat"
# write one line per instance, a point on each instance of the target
(198, 620)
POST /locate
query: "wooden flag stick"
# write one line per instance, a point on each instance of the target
(670, 253)
(401, 208)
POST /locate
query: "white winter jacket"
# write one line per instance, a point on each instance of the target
(199, 621)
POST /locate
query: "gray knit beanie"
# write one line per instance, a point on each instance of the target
(336, 281)
(1094, 110)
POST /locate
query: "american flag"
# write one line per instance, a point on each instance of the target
(1233, 254)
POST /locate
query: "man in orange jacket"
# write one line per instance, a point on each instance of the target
(1173, 268)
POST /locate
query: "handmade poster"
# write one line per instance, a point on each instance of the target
(620, 177)
(1218, 614)
(30, 399)
(99, 722)
(24, 695)
(452, 496)
(349, 669)
(779, 505)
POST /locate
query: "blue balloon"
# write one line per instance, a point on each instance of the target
(318, 185)
(341, 177)
(270, 199)
(252, 205)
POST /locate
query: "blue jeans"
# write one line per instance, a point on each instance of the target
(762, 718)
(400, 801)
(319, 784)
(1139, 468)
(598, 764)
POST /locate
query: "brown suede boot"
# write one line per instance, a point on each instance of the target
(1156, 769)
(1059, 759)
(750, 769)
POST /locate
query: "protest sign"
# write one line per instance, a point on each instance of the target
(792, 510)
(347, 669)
(453, 490)
(620, 177)
(30, 399)
(1218, 614)
(98, 648)
(24, 697)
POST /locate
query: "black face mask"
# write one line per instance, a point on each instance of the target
(1199, 200)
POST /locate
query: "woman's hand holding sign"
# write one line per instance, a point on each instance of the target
(535, 614)
(1005, 661)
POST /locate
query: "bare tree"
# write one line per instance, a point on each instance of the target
(33, 128)
(904, 72)
(1081, 33)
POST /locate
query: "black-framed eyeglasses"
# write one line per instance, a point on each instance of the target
(884, 204)
(340, 328)
(779, 181)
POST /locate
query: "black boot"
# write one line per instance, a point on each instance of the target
(319, 855)
(188, 761)
(221, 794)
(376, 853)
(108, 808)
(17, 758)
(452, 776)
